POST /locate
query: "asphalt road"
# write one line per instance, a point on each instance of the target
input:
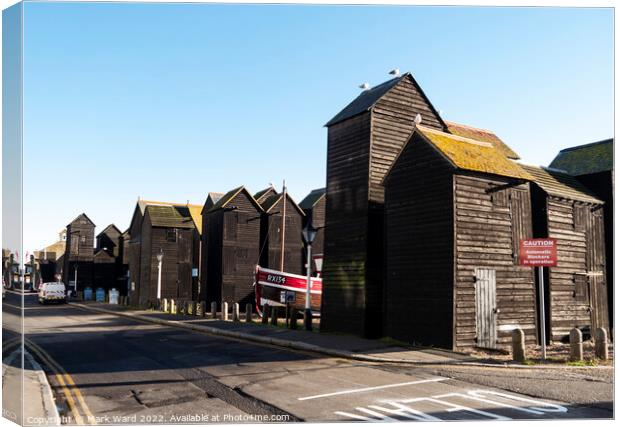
(125, 371)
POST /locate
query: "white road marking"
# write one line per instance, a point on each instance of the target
(380, 387)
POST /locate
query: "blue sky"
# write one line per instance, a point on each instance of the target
(171, 101)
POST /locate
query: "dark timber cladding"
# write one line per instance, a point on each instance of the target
(171, 230)
(456, 210)
(577, 288)
(313, 206)
(593, 165)
(79, 252)
(231, 247)
(272, 234)
(363, 140)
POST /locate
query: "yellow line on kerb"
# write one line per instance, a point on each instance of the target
(67, 383)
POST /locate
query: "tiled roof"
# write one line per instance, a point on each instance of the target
(170, 216)
(226, 198)
(312, 198)
(263, 194)
(365, 100)
(560, 184)
(271, 201)
(472, 155)
(586, 159)
(212, 199)
(481, 135)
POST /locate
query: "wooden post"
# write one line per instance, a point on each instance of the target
(165, 304)
(224, 310)
(266, 313)
(235, 312)
(293, 320)
(576, 345)
(518, 345)
(600, 344)
(193, 308)
(248, 312)
(274, 316)
(213, 310)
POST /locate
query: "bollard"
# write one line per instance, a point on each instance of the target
(235, 312)
(213, 310)
(576, 345)
(248, 312)
(165, 305)
(224, 310)
(518, 345)
(274, 316)
(173, 306)
(266, 312)
(200, 309)
(294, 316)
(600, 344)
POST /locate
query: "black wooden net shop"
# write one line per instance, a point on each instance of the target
(456, 209)
(362, 141)
(231, 247)
(576, 289)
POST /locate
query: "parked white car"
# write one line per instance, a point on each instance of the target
(52, 292)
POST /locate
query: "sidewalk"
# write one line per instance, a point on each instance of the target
(39, 407)
(336, 345)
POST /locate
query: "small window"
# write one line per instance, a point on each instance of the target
(580, 213)
(171, 235)
(83, 239)
(581, 287)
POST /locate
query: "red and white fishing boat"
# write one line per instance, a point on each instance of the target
(279, 288)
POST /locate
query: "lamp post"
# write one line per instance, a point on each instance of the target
(160, 257)
(309, 234)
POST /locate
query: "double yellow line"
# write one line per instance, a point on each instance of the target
(69, 389)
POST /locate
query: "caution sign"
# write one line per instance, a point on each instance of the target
(538, 253)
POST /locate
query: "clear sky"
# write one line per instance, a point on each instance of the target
(171, 101)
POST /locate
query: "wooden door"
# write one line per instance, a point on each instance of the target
(595, 263)
(184, 280)
(486, 308)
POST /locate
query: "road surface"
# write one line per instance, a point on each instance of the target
(108, 369)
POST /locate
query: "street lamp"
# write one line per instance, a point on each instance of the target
(160, 257)
(309, 234)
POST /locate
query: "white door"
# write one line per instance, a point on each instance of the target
(486, 308)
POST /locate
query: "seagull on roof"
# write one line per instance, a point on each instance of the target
(364, 86)
(418, 119)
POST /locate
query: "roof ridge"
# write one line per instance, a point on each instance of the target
(590, 144)
(457, 137)
(469, 126)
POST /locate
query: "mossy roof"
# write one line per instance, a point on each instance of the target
(110, 227)
(195, 212)
(170, 216)
(471, 155)
(482, 135)
(560, 184)
(312, 199)
(586, 159)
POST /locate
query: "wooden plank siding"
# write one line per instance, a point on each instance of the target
(579, 233)
(271, 237)
(602, 184)
(231, 250)
(419, 247)
(135, 245)
(344, 302)
(79, 250)
(491, 215)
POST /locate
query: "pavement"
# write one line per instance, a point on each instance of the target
(39, 408)
(126, 370)
(337, 345)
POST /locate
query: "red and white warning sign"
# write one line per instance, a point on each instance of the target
(538, 253)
